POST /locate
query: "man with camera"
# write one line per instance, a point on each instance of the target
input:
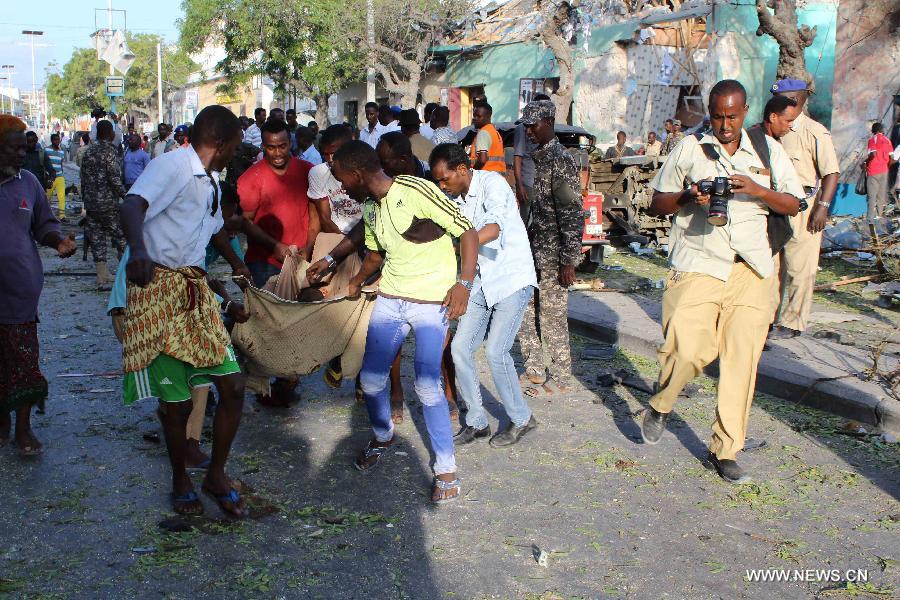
(717, 302)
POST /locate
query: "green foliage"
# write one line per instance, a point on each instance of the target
(303, 42)
(80, 86)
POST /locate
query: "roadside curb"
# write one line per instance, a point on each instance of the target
(778, 376)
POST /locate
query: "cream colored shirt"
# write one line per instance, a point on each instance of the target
(653, 149)
(811, 149)
(698, 247)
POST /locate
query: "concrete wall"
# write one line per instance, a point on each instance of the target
(752, 60)
(600, 100)
(867, 75)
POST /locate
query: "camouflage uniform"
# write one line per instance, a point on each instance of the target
(101, 188)
(672, 141)
(555, 233)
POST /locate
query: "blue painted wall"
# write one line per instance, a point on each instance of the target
(499, 69)
(759, 55)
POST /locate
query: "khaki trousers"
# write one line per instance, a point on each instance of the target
(199, 395)
(704, 318)
(797, 267)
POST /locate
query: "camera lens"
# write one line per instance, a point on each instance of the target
(718, 211)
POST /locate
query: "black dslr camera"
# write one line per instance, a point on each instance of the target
(719, 191)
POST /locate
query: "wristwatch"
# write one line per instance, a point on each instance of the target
(469, 285)
(329, 259)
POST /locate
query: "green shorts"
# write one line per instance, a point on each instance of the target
(171, 380)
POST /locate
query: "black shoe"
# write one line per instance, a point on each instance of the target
(468, 434)
(512, 434)
(653, 426)
(728, 470)
(782, 333)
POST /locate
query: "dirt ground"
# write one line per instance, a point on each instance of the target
(614, 518)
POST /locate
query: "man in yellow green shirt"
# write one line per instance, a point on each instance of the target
(409, 230)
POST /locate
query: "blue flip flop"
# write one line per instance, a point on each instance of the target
(233, 497)
(191, 496)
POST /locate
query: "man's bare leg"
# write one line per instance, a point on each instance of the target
(195, 457)
(5, 427)
(174, 416)
(225, 426)
(25, 439)
(448, 371)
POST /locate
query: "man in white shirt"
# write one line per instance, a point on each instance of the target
(387, 119)
(425, 128)
(338, 212)
(373, 130)
(253, 134)
(171, 346)
(505, 283)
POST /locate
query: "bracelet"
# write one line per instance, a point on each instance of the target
(226, 306)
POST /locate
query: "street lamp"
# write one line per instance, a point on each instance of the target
(32, 35)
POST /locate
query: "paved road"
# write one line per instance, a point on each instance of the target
(617, 519)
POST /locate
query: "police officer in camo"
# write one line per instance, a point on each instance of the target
(101, 187)
(555, 231)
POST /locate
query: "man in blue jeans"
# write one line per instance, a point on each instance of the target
(506, 280)
(409, 230)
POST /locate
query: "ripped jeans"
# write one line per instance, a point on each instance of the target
(389, 325)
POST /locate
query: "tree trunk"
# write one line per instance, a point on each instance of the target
(555, 18)
(792, 40)
(410, 90)
(322, 110)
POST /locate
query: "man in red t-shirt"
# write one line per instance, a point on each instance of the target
(274, 201)
(276, 211)
(877, 163)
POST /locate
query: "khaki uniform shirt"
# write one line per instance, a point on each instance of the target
(811, 149)
(653, 149)
(698, 247)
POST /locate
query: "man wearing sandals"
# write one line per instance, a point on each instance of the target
(409, 226)
(174, 339)
(557, 224)
(503, 287)
(26, 220)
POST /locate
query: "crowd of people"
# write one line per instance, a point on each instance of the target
(432, 222)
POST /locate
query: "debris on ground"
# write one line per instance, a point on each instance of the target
(599, 352)
(541, 557)
(636, 382)
(594, 285)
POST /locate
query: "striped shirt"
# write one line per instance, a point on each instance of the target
(413, 225)
(56, 160)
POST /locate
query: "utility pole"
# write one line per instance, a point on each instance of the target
(159, 96)
(32, 35)
(370, 38)
(112, 70)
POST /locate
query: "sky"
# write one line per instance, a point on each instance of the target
(68, 24)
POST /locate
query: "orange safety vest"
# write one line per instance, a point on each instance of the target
(495, 158)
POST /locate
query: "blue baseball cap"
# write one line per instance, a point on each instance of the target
(789, 85)
(181, 129)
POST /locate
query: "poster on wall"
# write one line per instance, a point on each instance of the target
(527, 89)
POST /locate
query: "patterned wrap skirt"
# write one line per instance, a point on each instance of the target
(21, 381)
